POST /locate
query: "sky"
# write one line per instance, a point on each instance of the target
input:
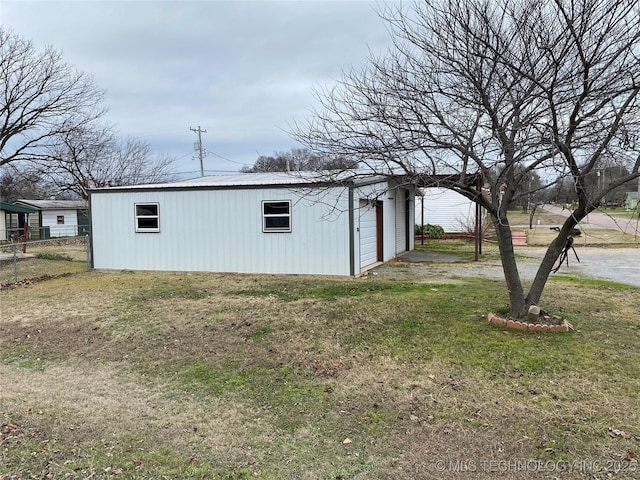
(244, 71)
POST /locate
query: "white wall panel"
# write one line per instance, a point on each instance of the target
(220, 230)
(368, 233)
(50, 219)
(452, 211)
(400, 220)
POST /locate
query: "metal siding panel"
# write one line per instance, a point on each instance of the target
(368, 240)
(452, 211)
(389, 226)
(70, 226)
(400, 219)
(219, 231)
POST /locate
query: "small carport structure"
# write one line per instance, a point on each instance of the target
(15, 223)
(456, 206)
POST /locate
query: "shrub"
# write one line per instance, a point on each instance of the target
(430, 231)
(433, 231)
(54, 256)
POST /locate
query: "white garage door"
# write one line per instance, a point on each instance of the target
(368, 234)
(401, 221)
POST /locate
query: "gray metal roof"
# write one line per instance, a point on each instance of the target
(54, 204)
(271, 179)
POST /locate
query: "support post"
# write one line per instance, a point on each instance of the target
(14, 248)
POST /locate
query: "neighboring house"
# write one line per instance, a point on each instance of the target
(13, 219)
(631, 200)
(454, 212)
(57, 218)
(253, 223)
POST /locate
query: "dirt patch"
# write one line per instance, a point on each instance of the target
(426, 256)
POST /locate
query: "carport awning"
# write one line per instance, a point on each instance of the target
(13, 208)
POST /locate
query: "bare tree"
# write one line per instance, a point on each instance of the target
(296, 160)
(15, 184)
(93, 157)
(497, 89)
(41, 98)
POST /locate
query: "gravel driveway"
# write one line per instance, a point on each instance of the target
(617, 264)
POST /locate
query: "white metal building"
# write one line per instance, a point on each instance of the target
(454, 212)
(293, 223)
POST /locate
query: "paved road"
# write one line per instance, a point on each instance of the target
(630, 226)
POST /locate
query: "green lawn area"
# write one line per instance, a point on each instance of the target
(189, 376)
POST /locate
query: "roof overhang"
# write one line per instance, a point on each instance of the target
(53, 204)
(13, 208)
(294, 180)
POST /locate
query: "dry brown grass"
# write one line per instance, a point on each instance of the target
(148, 375)
(42, 259)
(541, 235)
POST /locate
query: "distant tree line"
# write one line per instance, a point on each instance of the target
(298, 160)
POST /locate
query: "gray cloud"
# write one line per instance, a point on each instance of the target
(242, 70)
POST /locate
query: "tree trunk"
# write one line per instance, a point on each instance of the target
(544, 270)
(517, 302)
(550, 257)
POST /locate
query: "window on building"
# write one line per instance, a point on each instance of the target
(60, 219)
(276, 216)
(147, 217)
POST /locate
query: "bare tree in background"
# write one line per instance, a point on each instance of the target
(93, 157)
(297, 160)
(15, 185)
(498, 88)
(51, 126)
(41, 98)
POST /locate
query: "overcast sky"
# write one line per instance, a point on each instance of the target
(241, 70)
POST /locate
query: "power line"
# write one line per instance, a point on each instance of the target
(228, 159)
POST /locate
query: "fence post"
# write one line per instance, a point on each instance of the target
(87, 248)
(14, 248)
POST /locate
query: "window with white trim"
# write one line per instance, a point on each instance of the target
(147, 217)
(276, 216)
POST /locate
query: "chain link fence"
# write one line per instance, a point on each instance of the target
(32, 260)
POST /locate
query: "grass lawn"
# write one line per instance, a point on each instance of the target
(619, 212)
(189, 376)
(45, 258)
(540, 235)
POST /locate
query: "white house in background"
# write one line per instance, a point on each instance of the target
(57, 218)
(454, 212)
(288, 223)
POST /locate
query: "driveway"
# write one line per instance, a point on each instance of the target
(620, 265)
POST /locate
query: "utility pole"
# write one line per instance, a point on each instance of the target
(198, 146)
